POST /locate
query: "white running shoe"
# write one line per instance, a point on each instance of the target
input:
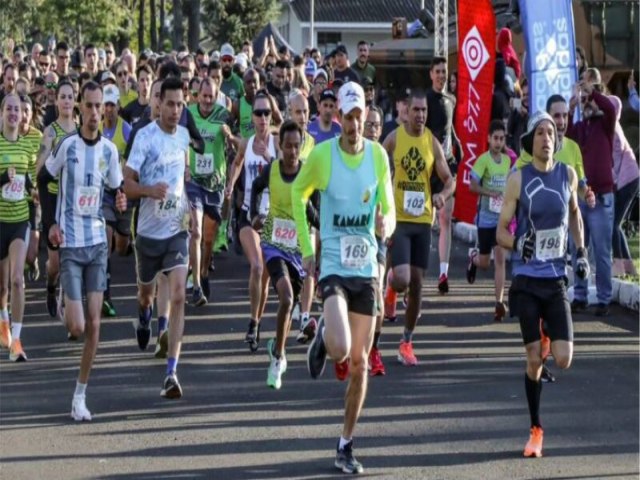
(79, 411)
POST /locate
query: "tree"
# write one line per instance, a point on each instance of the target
(234, 21)
(194, 24)
(178, 27)
(152, 25)
(141, 30)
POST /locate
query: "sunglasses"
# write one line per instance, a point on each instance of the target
(262, 112)
(227, 59)
(44, 64)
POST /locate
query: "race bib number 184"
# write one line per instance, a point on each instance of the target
(167, 207)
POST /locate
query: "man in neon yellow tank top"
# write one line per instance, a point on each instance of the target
(415, 153)
(352, 176)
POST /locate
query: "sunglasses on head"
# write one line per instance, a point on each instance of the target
(262, 112)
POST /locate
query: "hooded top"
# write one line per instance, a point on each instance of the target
(625, 167)
(508, 53)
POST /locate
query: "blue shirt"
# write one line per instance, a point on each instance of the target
(319, 135)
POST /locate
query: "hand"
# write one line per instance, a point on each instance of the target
(158, 191)
(381, 225)
(525, 245)
(228, 190)
(55, 236)
(582, 264)
(309, 265)
(573, 102)
(257, 222)
(11, 172)
(590, 198)
(35, 196)
(121, 201)
(438, 200)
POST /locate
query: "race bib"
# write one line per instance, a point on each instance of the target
(551, 244)
(495, 204)
(284, 233)
(87, 201)
(354, 252)
(167, 207)
(204, 164)
(414, 203)
(14, 191)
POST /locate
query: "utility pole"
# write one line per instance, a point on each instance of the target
(312, 23)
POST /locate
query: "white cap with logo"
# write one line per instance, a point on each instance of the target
(111, 94)
(350, 96)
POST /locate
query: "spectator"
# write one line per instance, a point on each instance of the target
(625, 176)
(517, 124)
(594, 134)
(362, 67)
(452, 85)
(505, 47)
(581, 61)
(342, 69)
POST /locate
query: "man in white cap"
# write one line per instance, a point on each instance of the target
(231, 83)
(353, 178)
(543, 196)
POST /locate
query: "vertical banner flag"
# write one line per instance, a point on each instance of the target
(476, 64)
(551, 50)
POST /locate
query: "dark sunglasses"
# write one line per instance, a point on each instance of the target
(44, 64)
(227, 58)
(262, 112)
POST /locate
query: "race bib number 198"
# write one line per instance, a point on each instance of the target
(550, 244)
(354, 252)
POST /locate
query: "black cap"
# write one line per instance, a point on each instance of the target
(328, 94)
(342, 49)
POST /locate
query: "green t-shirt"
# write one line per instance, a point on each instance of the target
(209, 170)
(493, 176)
(232, 87)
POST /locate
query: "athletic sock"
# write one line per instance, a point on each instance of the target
(4, 315)
(533, 390)
(407, 335)
(16, 328)
(144, 314)
(376, 339)
(172, 365)
(162, 323)
(343, 442)
(444, 268)
(81, 388)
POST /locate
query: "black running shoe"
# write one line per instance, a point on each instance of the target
(204, 283)
(547, 376)
(198, 299)
(345, 460)
(443, 284)
(171, 387)
(471, 267)
(143, 330)
(52, 304)
(253, 332)
(317, 352)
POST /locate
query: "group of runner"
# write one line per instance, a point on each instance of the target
(306, 208)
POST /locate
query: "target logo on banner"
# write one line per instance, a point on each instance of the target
(474, 52)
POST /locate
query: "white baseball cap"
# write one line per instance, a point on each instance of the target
(350, 96)
(111, 94)
(226, 50)
(241, 59)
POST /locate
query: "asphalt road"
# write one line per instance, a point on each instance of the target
(461, 414)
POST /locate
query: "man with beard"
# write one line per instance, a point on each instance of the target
(277, 86)
(363, 68)
(231, 83)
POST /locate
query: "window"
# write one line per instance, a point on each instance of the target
(618, 25)
(327, 41)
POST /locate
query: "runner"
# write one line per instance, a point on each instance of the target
(372, 131)
(543, 196)
(352, 175)
(488, 180)
(324, 127)
(63, 125)
(155, 173)
(15, 181)
(205, 190)
(86, 163)
(254, 154)
(416, 154)
(279, 242)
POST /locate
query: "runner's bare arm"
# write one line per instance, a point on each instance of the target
(236, 168)
(45, 147)
(511, 198)
(575, 217)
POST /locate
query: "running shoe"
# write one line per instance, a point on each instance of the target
(317, 352)
(443, 284)
(390, 300)
(171, 387)
(5, 334)
(342, 370)
(602, 310)
(578, 306)
(345, 460)
(143, 330)
(206, 288)
(253, 332)
(162, 345)
(198, 298)
(471, 266)
(190, 281)
(16, 353)
(52, 304)
(405, 354)
(376, 367)
(79, 410)
(108, 310)
(547, 376)
(500, 312)
(277, 367)
(307, 331)
(533, 448)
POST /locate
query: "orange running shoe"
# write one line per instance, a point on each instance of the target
(16, 353)
(405, 354)
(533, 448)
(545, 344)
(5, 335)
(390, 300)
(376, 367)
(342, 370)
